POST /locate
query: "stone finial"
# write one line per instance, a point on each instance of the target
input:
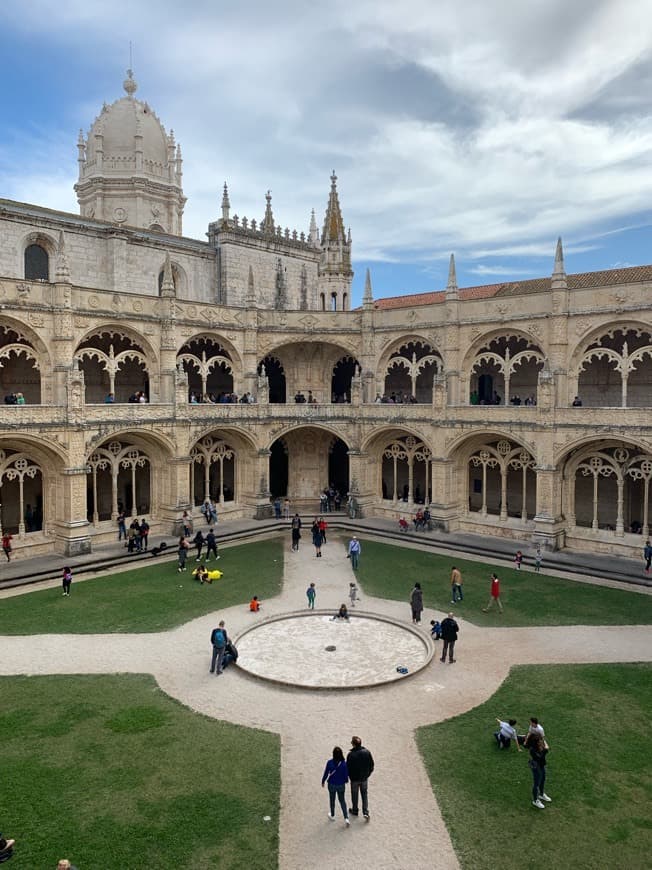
(313, 233)
(250, 300)
(62, 270)
(281, 297)
(452, 274)
(226, 204)
(303, 289)
(368, 298)
(167, 284)
(267, 225)
(130, 84)
(559, 268)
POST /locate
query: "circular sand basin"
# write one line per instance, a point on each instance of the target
(312, 650)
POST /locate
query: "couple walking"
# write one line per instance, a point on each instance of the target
(356, 769)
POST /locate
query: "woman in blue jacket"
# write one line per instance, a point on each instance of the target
(336, 774)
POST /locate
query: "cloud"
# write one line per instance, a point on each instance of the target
(487, 129)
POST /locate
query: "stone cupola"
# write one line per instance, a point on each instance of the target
(130, 168)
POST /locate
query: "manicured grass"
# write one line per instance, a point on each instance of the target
(110, 772)
(599, 773)
(388, 571)
(147, 599)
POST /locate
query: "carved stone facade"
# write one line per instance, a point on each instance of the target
(400, 394)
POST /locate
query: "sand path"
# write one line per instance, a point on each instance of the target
(406, 827)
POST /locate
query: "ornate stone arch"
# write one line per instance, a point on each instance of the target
(114, 361)
(19, 480)
(507, 355)
(24, 363)
(612, 366)
(414, 357)
(217, 458)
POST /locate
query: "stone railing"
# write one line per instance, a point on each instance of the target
(22, 416)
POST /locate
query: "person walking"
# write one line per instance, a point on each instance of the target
(456, 585)
(495, 595)
(537, 763)
(296, 532)
(198, 541)
(182, 552)
(360, 765)
(67, 580)
(122, 527)
(353, 593)
(219, 640)
(518, 560)
(6, 545)
(336, 776)
(311, 593)
(323, 525)
(211, 545)
(316, 537)
(416, 603)
(354, 551)
(538, 558)
(449, 630)
(647, 555)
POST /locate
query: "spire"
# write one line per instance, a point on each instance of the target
(268, 220)
(333, 223)
(226, 205)
(451, 286)
(313, 234)
(367, 299)
(167, 284)
(130, 84)
(250, 299)
(62, 270)
(559, 269)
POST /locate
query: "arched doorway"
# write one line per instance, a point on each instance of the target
(275, 378)
(304, 462)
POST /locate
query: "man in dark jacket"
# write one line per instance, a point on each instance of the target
(360, 764)
(449, 629)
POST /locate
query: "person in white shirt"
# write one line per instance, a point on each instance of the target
(535, 727)
(506, 733)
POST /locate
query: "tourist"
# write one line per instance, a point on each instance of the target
(213, 512)
(647, 555)
(342, 613)
(296, 532)
(537, 763)
(67, 580)
(416, 603)
(198, 541)
(316, 537)
(182, 551)
(336, 775)
(144, 534)
(6, 545)
(360, 764)
(219, 640)
(122, 526)
(403, 524)
(186, 522)
(201, 574)
(534, 727)
(311, 594)
(323, 526)
(449, 630)
(577, 402)
(277, 508)
(506, 733)
(495, 595)
(206, 511)
(230, 654)
(286, 508)
(109, 399)
(435, 629)
(211, 545)
(354, 551)
(456, 585)
(6, 848)
(64, 864)
(353, 593)
(518, 559)
(20, 399)
(538, 557)
(254, 605)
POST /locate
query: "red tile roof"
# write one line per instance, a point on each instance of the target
(578, 281)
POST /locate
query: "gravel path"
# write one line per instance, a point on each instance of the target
(406, 827)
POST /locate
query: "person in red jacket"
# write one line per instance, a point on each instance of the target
(495, 594)
(6, 545)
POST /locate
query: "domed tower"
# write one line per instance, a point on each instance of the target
(130, 168)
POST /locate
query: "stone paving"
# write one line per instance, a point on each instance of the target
(406, 827)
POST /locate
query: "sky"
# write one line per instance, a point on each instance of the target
(486, 128)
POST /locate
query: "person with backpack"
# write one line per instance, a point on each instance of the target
(219, 640)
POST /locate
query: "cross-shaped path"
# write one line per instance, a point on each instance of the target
(406, 828)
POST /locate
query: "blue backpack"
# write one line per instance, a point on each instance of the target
(218, 638)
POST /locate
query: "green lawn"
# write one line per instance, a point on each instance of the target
(110, 772)
(599, 774)
(147, 599)
(388, 571)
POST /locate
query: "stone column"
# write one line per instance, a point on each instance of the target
(263, 507)
(549, 526)
(72, 536)
(179, 494)
(360, 485)
(443, 503)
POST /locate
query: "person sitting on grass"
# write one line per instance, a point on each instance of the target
(201, 574)
(254, 605)
(506, 733)
(342, 613)
(6, 849)
(534, 728)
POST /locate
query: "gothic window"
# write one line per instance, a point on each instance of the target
(212, 473)
(615, 371)
(343, 372)
(410, 371)
(505, 371)
(502, 481)
(21, 493)
(322, 301)
(118, 479)
(209, 368)
(273, 370)
(112, 364)
(20, 373)
(333, 301)
(406, 471)
(37, 263)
